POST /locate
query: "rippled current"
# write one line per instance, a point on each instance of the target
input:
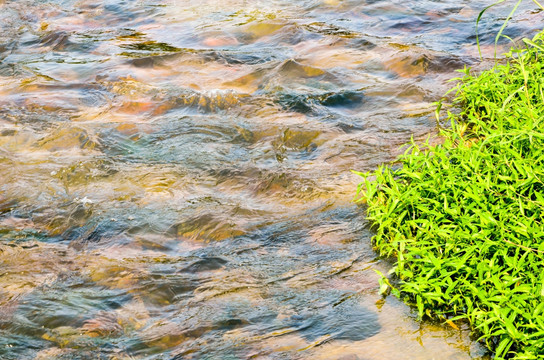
(174, 175)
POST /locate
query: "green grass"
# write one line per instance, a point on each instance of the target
(464, 219)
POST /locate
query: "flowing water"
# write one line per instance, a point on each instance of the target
(174, 175)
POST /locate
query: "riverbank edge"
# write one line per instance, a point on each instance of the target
(463, 219)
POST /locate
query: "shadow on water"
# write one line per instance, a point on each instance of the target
(174, 178)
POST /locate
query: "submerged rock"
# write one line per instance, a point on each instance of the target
(205, 264)
(65, 138)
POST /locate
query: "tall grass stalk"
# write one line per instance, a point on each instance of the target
(505, 23)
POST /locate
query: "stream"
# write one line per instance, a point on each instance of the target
(175, 175)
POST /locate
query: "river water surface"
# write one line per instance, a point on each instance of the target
(174, 175)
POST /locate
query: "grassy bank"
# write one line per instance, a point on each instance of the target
(464, 220)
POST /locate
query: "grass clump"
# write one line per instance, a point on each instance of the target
(464, 219)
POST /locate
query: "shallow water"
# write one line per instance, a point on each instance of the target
(174, 176)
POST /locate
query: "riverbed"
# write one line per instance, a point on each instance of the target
(175, 176)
